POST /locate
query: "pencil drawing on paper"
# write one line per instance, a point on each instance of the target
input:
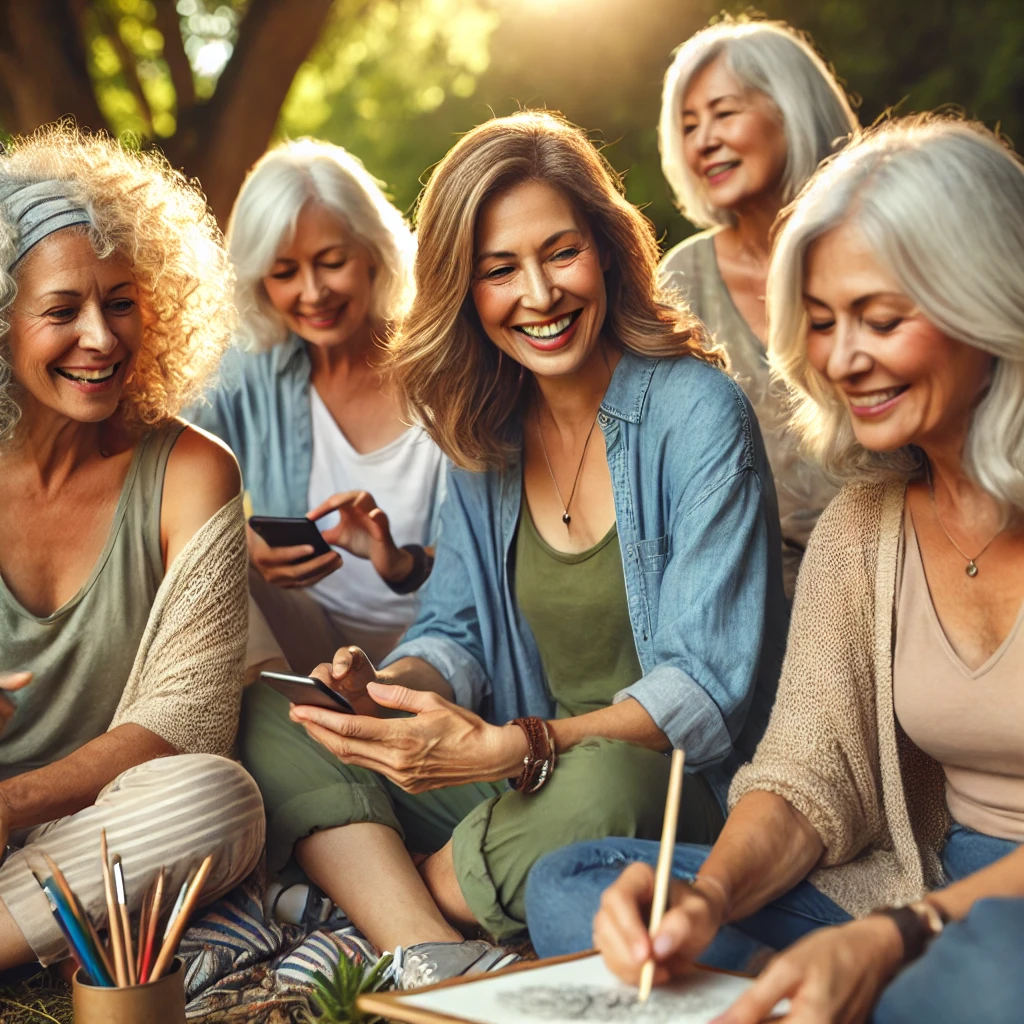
(611, 1005)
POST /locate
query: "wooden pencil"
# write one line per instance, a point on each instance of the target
(154, 918)
(126, 924)
(140, 944)
(176, 928)
(79, 911)
(663, 872)
(113, 917)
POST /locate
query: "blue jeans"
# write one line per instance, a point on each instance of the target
(564, 890)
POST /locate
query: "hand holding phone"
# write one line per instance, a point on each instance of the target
(306, 690)
(289, 552)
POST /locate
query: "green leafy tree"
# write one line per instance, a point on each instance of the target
(207, 80)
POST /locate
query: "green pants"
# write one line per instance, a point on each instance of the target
(600, 788)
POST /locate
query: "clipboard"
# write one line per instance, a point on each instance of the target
(406, 1007)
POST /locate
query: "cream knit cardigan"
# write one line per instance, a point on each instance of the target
(833, 748)
(186, 681)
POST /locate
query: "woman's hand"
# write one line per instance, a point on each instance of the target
(363, 530)
(444, 745)
(10, 681)
(694, 915)
(289, 566)
(349, 674)
(832, 976)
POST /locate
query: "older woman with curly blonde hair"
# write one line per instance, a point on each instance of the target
(122, 548)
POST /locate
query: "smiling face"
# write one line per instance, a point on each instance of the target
(322, 280)
(75, 328)
(733, 138)
(901, 379)
(538, 280)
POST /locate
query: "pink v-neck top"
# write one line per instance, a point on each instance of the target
(970, 720)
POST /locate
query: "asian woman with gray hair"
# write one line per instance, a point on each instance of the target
(748, 111)
(887, 795)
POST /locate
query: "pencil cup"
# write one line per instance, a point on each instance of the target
(157, 1002)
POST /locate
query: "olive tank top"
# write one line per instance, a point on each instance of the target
(82, 654)
(575, 605)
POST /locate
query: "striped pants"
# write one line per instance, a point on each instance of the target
(171, 812)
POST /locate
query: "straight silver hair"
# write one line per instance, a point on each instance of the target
(773, 59)
(940, 201)
(263, 220)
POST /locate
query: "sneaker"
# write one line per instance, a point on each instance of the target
(304, 905)
(428, 962)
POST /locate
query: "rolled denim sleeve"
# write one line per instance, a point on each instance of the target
(447, 631)
(711, 619)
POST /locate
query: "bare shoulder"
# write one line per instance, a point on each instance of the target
(202, 476)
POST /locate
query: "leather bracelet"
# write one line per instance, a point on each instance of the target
(918, 924)
(422, 563)
(539, 762)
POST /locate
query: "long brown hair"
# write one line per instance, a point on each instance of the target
(451, 378)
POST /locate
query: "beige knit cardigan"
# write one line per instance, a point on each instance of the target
(186, 681)
(833, 748)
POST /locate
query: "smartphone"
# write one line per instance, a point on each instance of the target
(306, 690)
(281, 532)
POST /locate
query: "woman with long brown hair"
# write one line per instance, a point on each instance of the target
(607, 583)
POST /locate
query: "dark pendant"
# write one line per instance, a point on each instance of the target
(972, 569)
(566, 518)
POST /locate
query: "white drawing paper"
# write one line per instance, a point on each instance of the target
(583, 990)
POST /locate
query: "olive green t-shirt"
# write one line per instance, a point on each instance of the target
(575, 605)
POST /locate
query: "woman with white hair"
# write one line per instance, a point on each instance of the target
(748, 111)
(888, 790)
(323, 264)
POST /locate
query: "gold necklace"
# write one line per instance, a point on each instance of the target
(566, 518)
(972, 563)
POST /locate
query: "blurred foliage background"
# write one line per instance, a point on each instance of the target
(396, 81)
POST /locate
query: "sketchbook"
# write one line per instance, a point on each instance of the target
(560, 991)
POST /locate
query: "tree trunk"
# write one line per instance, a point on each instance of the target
(43, 72)
(219, 141)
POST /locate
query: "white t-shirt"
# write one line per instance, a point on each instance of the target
(403, 478)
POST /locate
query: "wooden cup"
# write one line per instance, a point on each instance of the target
(157, 1002)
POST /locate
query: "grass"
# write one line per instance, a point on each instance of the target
(44, 999)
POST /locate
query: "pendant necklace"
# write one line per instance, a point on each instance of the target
(972, 563)
(566, 518)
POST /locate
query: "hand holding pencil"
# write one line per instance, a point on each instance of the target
(622, 932)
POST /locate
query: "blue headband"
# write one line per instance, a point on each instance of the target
(36, 209)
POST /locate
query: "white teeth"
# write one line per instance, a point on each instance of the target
(547, 330)
(90, 376)
(719, 168)
(877, 398)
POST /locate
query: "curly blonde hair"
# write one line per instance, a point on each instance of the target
(449, 374)
(151, 216)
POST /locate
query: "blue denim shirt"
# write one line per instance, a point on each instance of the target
(260, 408)
(699, 536)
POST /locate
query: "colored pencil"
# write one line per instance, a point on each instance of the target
(75, 933)
(154, 917)
(176, 926)
(113, 917)
(79, 911)
(663, 872)
(122, 905)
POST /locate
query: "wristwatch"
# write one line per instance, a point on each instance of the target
(918, 924)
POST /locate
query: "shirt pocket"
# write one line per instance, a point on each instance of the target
(652, 556)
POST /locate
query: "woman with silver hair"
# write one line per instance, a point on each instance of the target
(886, 797)
(323, 265)
(122, 547)
(748, 111)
